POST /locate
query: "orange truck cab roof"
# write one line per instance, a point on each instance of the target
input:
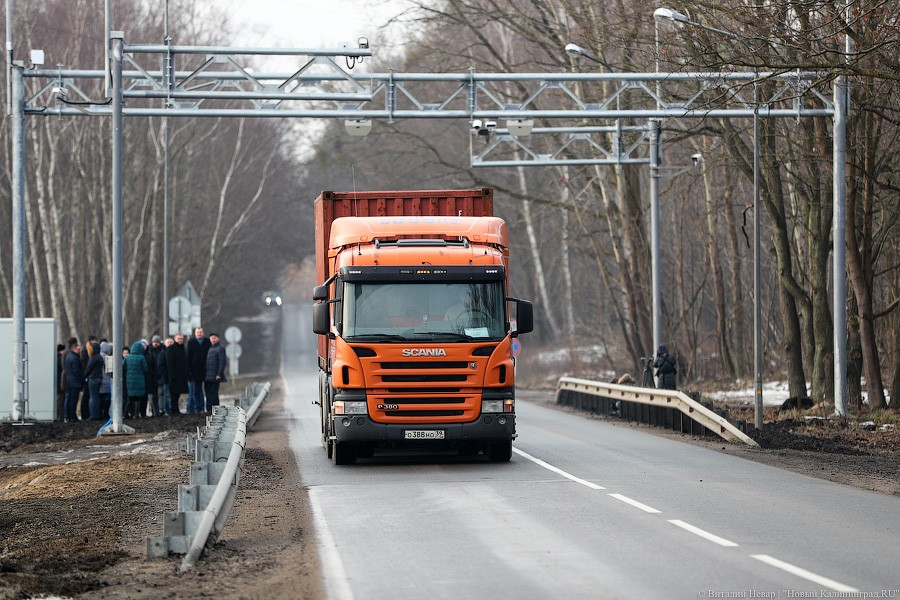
(392, 240)
(348, 231)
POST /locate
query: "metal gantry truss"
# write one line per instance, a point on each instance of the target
(223, 83)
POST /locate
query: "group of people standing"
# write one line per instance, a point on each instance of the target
(155, 375)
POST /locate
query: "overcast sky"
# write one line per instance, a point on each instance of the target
(307, 23)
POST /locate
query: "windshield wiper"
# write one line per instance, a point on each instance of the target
(446, 335)
(377, 337)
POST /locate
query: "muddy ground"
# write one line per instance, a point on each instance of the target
(75, 510)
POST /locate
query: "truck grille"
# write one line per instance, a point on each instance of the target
(423, 391)
(444, 364)
(422, 378)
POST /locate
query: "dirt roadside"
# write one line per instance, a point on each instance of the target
(78, 528)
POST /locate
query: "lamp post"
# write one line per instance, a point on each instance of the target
(677, 17)
(577, 51)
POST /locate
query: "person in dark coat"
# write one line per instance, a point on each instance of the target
(105, 390)
(126, 405)
(136, 380)
(74, 375)
(152, 376)
(94, 376)
(665, 368)
(87, 351)
(215, 371)
(177, 370)
(197, 349)
(61, 352)
(162, 377)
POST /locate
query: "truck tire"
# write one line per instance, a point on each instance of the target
(344, 453)
(500, 451)
(329, 444)
(325, 393)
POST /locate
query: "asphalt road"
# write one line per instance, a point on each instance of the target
(585, 509)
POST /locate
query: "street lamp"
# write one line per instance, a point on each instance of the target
(677, 17)
(577, 51)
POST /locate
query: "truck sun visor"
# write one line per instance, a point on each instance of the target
(484, 273)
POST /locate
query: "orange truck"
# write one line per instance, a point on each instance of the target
(414, 323)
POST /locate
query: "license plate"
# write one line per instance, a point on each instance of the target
(423, 434)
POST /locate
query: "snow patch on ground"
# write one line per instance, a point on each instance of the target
(774, 393)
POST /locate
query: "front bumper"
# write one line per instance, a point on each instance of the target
(361, 428)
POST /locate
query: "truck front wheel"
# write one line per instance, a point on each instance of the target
(325, 394)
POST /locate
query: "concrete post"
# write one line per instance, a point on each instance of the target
(757, 317)
(838, 240)
(17, 152)
(654, 232)
(117, 51)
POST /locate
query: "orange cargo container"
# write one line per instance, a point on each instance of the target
(413, 317)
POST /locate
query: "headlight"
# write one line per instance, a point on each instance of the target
(491, 406)
(350, 408)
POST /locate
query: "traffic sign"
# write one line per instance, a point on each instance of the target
(180, 308)
(233, 334)
(233, 351)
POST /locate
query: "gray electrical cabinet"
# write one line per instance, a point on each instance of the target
(40, 369)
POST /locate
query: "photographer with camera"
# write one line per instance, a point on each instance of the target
(665, 368)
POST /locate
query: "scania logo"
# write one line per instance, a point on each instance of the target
(424, 352)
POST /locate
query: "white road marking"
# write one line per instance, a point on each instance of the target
(558, 471)
(808, 575)
(704, 534)
(337, 585)
(635, 503)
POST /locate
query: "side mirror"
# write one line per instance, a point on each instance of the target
(320, 292)
(321, 318)
(524, 317)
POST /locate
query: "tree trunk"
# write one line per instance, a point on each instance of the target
(860, 256)
(564, 253)
(715, 266)
(788, 288)
(535, 250)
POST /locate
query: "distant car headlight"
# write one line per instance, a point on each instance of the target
(342, 407)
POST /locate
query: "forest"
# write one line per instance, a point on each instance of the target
(242, 189)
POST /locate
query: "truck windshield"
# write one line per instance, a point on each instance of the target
(423, 311)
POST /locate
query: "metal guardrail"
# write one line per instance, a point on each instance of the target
(665, 408)
(204, 504)
(252, 400)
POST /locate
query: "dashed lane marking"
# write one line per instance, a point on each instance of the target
(558, 471)
(635, 503)
(808, 575)
(702, 533)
